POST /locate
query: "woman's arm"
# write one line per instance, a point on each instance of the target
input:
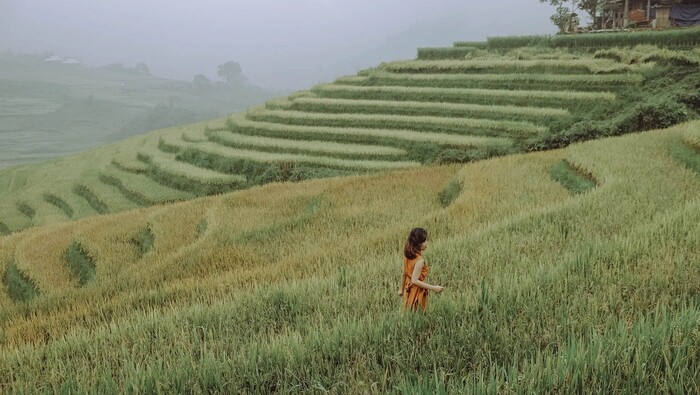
(401, 285)
(416, 274)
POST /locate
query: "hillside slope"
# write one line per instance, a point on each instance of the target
(433, 110)
(292, 287)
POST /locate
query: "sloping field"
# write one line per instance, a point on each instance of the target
(440, 108)
(291, 288)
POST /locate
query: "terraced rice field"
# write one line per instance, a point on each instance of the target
(566, 271)
(399, 115)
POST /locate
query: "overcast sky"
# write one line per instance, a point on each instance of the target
(283, 44)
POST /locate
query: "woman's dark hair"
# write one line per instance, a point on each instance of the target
(417, 237)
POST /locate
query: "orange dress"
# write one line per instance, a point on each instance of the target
(414, 297)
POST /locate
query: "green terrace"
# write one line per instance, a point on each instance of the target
(458, 104)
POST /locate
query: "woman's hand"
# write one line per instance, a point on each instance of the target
(401, 292)
(438, 289)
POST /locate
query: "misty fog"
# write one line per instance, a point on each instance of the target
(279, 44)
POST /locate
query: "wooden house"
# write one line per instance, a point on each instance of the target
(617, 14)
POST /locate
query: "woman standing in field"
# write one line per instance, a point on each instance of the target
(414, 289)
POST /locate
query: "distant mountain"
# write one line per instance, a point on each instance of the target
(53, 106)
(440, 32)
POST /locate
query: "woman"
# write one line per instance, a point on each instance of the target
(414, 289)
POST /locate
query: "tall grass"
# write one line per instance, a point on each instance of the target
(649, 53)
(506, 65)
(546, 292)
(129, 162)
(420, 123)
(187, 177)
(673, 38)
(501, 81)
(305, 146)
(426, 109)
(19, 287)
(571, 178)
(380, 136)
(26, 209)
(473, 44)
(686, 154)
(467, 96)
(80, 263)
(692, 137)
(141, 189)
(59, 203)
(451, 192)
(444, 53)
(92, 199)
(144, 240)
(234, 154)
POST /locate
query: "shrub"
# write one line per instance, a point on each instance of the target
(656, 114)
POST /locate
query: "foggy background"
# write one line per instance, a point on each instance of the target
(280, 44)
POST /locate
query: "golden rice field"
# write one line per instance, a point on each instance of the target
(291, 287)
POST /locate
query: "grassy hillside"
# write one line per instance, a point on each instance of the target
(292, 287)
(569, 266)
(433, 110)
(52, 109)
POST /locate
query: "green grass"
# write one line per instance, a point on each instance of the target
(684, 38)
(500, 81)
(292, 288)
(692, 138)
(400, 114)
(144, 240)
(686, 154)
(505, 65)
(410, 108)
(92, 199)
(567, 99)
(26, 209)
(81, 265)
(363, 135)
(450, 193)
(140, 189)
(444, 53)
(571, 178)
(19, 287)
(349, 151)
(59, 203)
(236, 155)
(167, 170)
(487, 127)
(129, 162)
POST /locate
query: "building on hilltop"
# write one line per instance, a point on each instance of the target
(53, 59)
(71, 61)
(649, 13)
